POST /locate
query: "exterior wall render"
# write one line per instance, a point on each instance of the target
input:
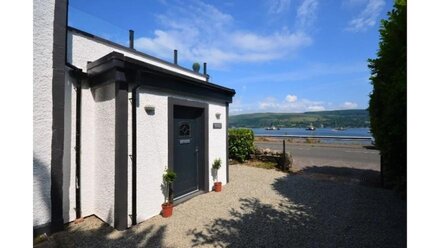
(217, 141)
(88, 152)
(152, 148)
(69, 169)
(98, 141)
(152, 153)
(104, 178)
(42, 110)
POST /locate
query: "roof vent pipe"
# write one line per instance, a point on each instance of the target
(175, 56)
(204, 68)
(131, 38)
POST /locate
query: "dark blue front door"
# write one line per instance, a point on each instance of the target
(187, 137)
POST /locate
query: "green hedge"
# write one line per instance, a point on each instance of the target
(241, 143)
(388, 100)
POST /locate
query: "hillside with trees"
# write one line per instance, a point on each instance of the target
(336, 118)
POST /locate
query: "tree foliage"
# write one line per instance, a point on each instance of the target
(388, 98)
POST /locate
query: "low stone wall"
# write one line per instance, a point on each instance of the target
(283, 161)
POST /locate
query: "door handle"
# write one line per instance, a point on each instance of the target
(197, 149)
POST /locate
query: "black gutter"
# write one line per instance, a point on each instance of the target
(78, 150)
(134, 156)
(78, 74)
(112, 66)
(58, 109)
(121, 155)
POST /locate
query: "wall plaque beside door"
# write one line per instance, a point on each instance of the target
(217, 125)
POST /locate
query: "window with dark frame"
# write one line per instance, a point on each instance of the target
(184, 130)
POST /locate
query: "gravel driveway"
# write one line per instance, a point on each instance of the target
(263, 208)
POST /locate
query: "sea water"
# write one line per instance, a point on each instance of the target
(353, 132)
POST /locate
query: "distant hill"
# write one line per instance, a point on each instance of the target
(336, 118)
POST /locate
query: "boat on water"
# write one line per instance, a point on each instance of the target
(311, 128)
(272, 128)
(339, 129)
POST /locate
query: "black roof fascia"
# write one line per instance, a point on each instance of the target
(197, 82)
(114, 44)
(112, 65)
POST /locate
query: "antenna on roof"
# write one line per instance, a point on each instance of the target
(131, 38)
(175, 56)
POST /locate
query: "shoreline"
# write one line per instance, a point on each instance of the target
(312, 143)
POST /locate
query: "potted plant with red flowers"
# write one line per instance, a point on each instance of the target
(167, 208)
(215, 167)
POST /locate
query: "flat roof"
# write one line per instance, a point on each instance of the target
(134, 51)
(155, 76)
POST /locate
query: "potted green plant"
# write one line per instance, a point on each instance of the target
(196, 67)
(167, 208)
(216, 166)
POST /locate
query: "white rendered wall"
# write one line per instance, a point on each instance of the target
(217, 141)
(88, 152)
(42, 107)
(104, 97)
(152, 154)
(152, 149)
(69, 203)
(86, 49)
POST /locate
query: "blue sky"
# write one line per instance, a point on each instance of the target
(279, 55)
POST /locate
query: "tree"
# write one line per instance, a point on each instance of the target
(387, 105)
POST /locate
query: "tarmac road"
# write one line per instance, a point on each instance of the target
(319, 155)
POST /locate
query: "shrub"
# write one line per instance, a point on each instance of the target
(196, 67)
(241, 143)
(217, 164)
(169, 176)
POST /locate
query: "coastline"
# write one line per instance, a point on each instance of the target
(312, 142)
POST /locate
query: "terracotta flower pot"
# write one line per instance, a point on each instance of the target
(218, 186)
(167, 210)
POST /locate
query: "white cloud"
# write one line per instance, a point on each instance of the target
(349, 105)
(291, 98)
(291, 103)
(278, 6)
(203, 33)
(353, 3)
(306, 13)
(368, 17)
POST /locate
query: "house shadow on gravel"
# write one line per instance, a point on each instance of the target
(255, 224)
(313, 213)
(363, 177)
(100, 234)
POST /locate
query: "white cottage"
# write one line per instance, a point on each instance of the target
(108, 121)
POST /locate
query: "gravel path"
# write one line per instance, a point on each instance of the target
(262, 208)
